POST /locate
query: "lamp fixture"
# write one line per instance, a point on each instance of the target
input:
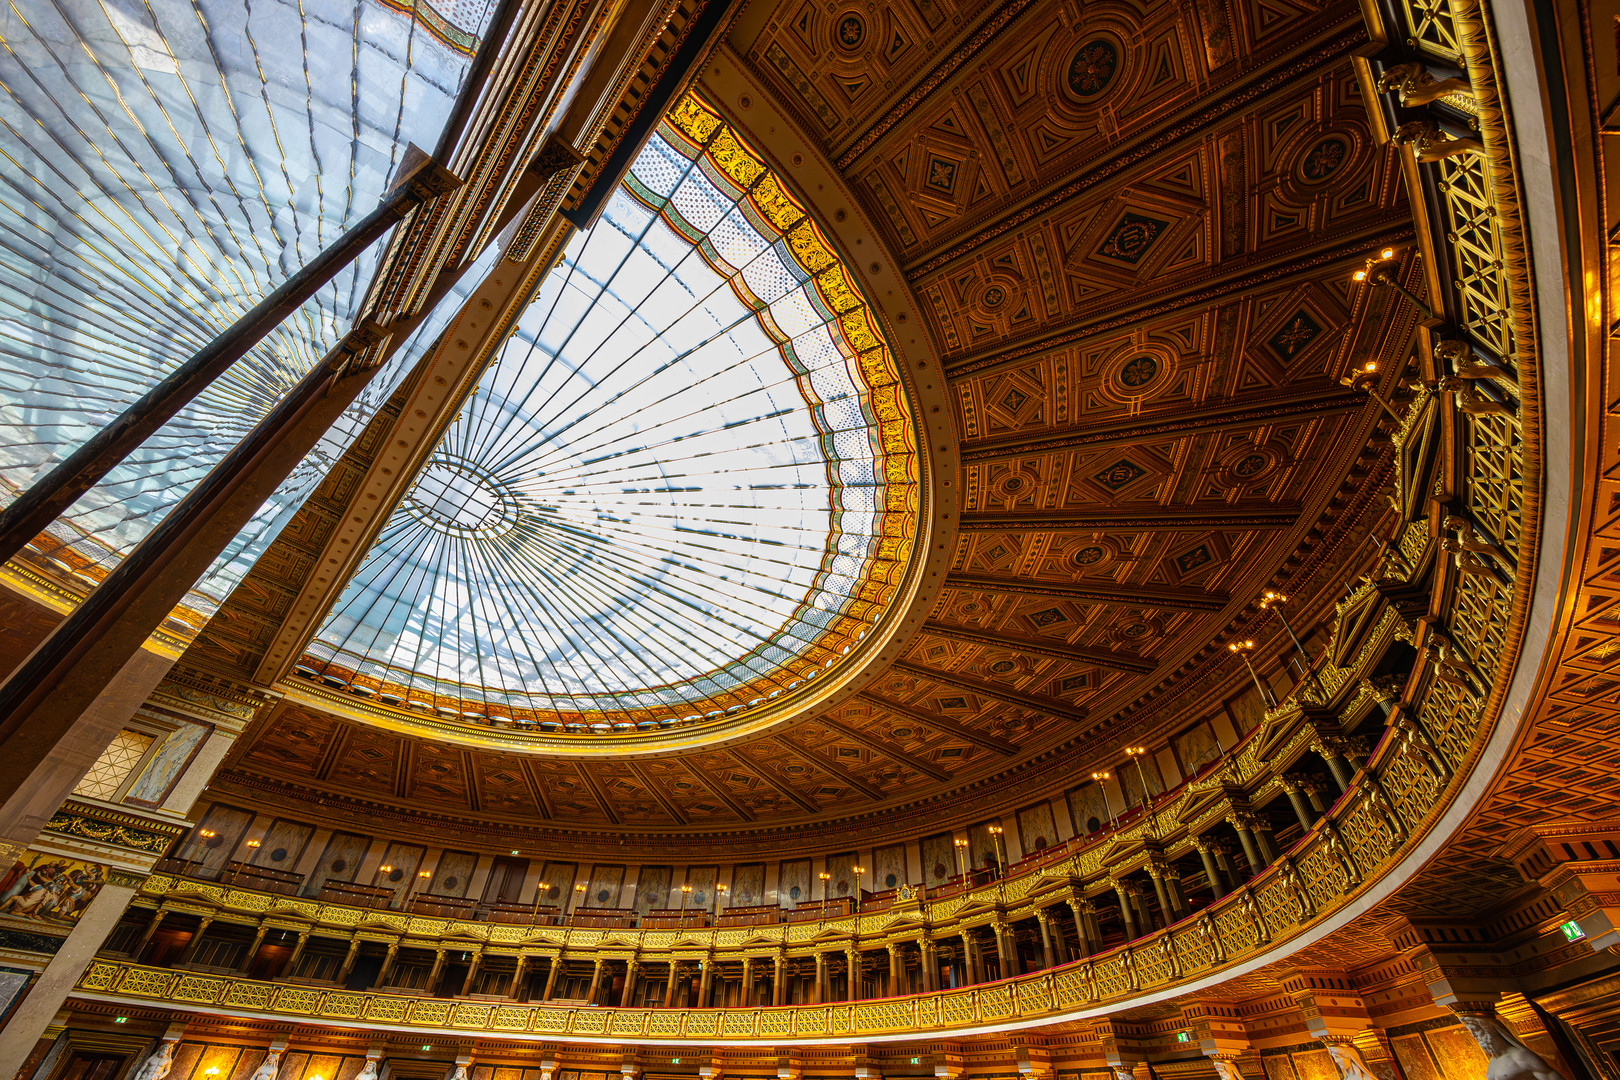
(1107, 802)
(1270, 600)
(1375, 271)
(1243, 649)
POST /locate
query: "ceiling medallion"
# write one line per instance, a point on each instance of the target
(1247, 464)
(1092, 69)
(1324, 159)
(851, 32)
(1131, 237)
(462, 498)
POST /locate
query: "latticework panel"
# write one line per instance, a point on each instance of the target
(114, 765)
(1476, 253)
(1494, 463)
(1449, 712)
(1430, 27)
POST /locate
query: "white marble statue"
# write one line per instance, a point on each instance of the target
(268, 1069)
(460, 1073)
(1227, 1070)
(1509, 1059)
(370, 1070)
(157, 1066)
(1349, 1061)
(1123, 1074)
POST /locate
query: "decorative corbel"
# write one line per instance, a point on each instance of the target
(1470, 401)
(1460, 358)
(1414, 86)
(1430, 142)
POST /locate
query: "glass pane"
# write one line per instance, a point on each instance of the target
(167, 164)
(686, 485)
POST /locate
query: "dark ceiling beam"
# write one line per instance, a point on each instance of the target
(995, 691)
(987, 33)
(647, 782)
(1259, 518)
(1326, 400)
(1055, 648)
(831, 768)
(1121, 595)
(1235, 279)
(597, 793)
(943, 724)
(1152, 143)
(888, 750)
(719, 790)
(781, 787)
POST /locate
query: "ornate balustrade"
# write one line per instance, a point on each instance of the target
(1346, 853)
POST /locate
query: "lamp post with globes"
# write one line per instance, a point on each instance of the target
(1135, 753)
(686, 891)
(961, 858)
(1365, 379)
(579, 895)
(420, 882)
(858, 871)
(825, 895)
(1243, 649)
(719, 891)
(1101, 778)
(1001, 851)
(382, 877)
(252, 846)
(1274, 601)
(203, 836)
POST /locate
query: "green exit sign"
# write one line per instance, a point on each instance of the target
(1181, 1036)
(1572, 931)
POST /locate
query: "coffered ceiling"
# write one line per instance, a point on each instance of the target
(1129, 235)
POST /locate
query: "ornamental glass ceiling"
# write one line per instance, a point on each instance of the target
(166, 164)
(686, 485)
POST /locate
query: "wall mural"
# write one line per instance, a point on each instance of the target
(339, 862)
(1196, 747)
(607, 882)
(402, 860)
(1089, 808)
(1037, 830)
(841, 867)
(652, 888)
(453, 873)
(747, 885)
(228, 824)
(163, 768)
(795, 884)
(888, 868)
(283, 845)
(702, 879)
(49, 889)
(556, 885)
(938, 859)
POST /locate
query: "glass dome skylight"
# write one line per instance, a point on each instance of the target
(166, 164)
(686, 484)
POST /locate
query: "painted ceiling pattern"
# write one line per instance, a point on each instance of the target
(1130, 236)
(687, 486)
